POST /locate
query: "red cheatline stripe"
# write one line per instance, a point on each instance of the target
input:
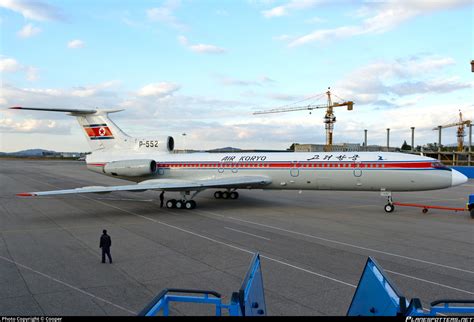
(25, 194)
(339, 165)
(311, 165)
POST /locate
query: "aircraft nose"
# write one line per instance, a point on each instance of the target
(457, 178)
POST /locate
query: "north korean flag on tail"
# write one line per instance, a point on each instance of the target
(98, 131)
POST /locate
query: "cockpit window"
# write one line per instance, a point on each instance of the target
(440, 166)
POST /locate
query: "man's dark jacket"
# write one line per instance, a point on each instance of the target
(105, 241)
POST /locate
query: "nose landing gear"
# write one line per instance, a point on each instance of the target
(389, 207)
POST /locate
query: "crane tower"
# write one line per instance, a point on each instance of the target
(329, 117)
(460, 131)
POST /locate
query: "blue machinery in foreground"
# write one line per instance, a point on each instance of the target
(376, 295)
(248, 301)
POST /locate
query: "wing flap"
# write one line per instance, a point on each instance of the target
(164, 184)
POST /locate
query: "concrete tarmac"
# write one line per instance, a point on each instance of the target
(313, 245)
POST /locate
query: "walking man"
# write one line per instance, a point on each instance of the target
(162, 198)
(105, 243)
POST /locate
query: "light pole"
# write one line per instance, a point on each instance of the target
(365, 140)
(184, 139)
(388, 140)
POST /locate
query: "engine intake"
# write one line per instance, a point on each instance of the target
(131, 168)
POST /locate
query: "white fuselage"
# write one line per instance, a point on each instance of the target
(364, 171)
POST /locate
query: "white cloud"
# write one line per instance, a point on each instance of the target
(380, 17)
(284, 97)
(158, 89)
(11, 65)
(34, 9)
(28, 30)
(229, 81)
(31, 73)
(275, 12)
(207, 49)
(201, 48)
(103, 94)
(315, 20)
(290, 6)
(165, 14)
(384, 82)
(95, 90)
(33, 126)
(76, 43)
(443, 85)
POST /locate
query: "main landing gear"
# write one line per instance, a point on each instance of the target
(185, 202)
(226, 195)
(181, 204)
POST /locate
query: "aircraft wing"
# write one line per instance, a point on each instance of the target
(165, 184)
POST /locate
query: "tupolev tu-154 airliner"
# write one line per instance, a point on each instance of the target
(150, 163)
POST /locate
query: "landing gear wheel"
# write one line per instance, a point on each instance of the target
(218, 194)
(234, 195)
(225, 195)
(171, 204)
(179, 204)
(425, 210)
(389, 207)
(190, 204)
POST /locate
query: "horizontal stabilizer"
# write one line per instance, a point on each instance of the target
(65, 110)
(101, 133)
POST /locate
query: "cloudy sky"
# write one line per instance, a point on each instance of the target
(201, 67)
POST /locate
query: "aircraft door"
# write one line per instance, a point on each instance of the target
(220, 168)
(235, 168)
(357, 169)
(294, 170)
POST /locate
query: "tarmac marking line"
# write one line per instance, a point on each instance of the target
(341, 243)
(363, 206)
(243, 232)
(228, 245)
(431, 282)
(284, 263)
(66, 284)
(276, 260)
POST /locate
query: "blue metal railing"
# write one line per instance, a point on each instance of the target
(248, 301)
(161, 302)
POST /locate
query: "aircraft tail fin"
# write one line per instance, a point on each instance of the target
(100, 131)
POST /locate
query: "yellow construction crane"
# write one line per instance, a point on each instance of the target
(460, 132)
(329, 118)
